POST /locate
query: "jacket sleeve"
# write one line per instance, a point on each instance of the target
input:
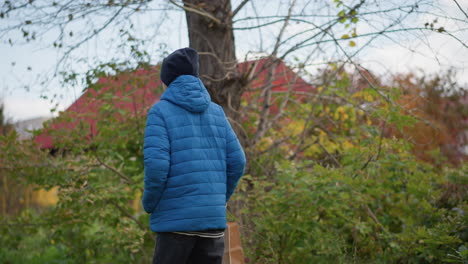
(235, 161)
(156, 160)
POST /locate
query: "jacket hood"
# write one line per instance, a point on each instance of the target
(188, 92)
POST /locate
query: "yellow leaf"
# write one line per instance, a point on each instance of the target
(352, 43)
(345, 36)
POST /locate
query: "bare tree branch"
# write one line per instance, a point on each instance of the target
(263, 123)
(196, 10)
(95, 33)
(241, 5)
(461, 9)
(120, 174)
(127, 214)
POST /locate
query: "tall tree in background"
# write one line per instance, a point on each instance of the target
(5, 125)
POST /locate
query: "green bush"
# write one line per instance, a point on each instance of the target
(26, 240)
(32, 238)
(389, 214)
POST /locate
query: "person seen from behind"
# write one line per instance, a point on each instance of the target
(193, 161)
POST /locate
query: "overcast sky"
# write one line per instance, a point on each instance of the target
(21, 89)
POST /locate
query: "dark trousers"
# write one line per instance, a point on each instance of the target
(182, 249)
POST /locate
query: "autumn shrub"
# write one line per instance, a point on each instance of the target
(388, 214)
(341, 179)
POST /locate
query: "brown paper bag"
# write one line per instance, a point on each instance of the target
(233, 253)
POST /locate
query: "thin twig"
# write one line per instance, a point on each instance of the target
(120, 174)
(95, 33)
(329, 154)
(376, 220)
(127, 214)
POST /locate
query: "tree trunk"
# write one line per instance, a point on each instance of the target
(211, 34)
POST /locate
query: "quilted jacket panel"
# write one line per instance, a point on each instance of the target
(192, 158)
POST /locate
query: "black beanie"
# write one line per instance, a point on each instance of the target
(180, 62)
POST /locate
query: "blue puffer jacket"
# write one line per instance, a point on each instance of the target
(193, 160)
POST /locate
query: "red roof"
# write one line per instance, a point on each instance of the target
(284, 77)
(144, 88)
